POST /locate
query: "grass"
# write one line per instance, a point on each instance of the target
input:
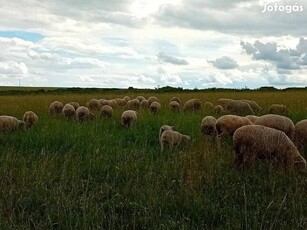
(99, 175)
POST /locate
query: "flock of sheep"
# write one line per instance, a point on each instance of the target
(271, 136)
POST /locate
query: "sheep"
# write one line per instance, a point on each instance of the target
(82, 113)
(126, 98)
(69, 111)
(155, 107)
(252, 118)
(174, 106)
(55, 108)
(30, 118)
(254, 142)
(93, 104)
(172, 138)
(129, 117)
(277, 109)
(300, 134)
(239, 108)
(111, 103)
(74, 104)
(144, 104)
(278, 122)
(121, 102)
(192, 105)
(152, 99)
(140, 98)
(219, 110)
(255, 107)
(223, 102)
(163, 128)
(101, 100)
(175, 99)
(9, 123)
(208, 126)
(106, 111)
(133, 104)
(209, 105)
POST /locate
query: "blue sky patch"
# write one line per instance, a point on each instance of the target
(28, 36)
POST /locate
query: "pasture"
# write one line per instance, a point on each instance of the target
(100, 175)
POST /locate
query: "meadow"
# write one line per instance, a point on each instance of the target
(99, 175)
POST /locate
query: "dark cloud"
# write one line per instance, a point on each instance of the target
(169, 59)
(224, 63)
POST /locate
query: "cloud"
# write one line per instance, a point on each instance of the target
(169, 59)
(224, 63)
(13, 68)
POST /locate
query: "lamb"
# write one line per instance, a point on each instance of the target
(174, 106)
(9, 123)
(140, 98)
(55, 108)
(239, 108)
(219, 110)
(300, 134)
(74, 104)
(255, 107)
(133, 104)
(277, 109)
(254, 142)
(172, 138)
(278, 122)
(152, 99)
(163, 128)
(83, 114)
(30, 118)
(223, 102)
(69, 111)
(252, 118)
(106, 111)
(177, 99)
(144, 104)
(129, 117)
(155, 107)
(208, 126)
(94, 104)
(192, 105)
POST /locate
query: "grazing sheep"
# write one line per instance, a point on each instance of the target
(126, 98)
(106, 111)
(9, 123)
(144, 104)
(192, 105)
(254, 142)
(278, 122)
(219, 110)
(175, 99)
(69, 111)
(154, 107)
(252, 118)
(277, 109)
(30, 118)
(224, 101)
(300, 134)
(94, 104)
(74, 104)
(163, 128)
(133, 104)
(82, 113)
(140, 98)
(152, 99)
(121, 102)
(255, 107)
(239, 108)
(111, 103)
(174, 106)
(55, 108)
(209, 105)
(208, 126)
(101, 101)
(172, 138)
(129, 117)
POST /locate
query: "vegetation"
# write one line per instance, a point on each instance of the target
(65, 175)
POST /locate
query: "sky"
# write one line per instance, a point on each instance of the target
(149, 44)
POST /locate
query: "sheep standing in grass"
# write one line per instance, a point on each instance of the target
(219, 110)
(121, 102)
(300, 134)
(133, 104)
(94, 105)
(140, 98)
(129, 117)
(208, 126)
(255, 107)
(224, 101)
(144, 104)
(106, 111)
(239, 108)
(9, 123)
(163, 128)
(111, 103)
(55, 108)
(177, 99)
(82, 113)
(155, 107)
(74, 104)
(192, 105)
(209, 105)
(172, 138)
(252, 118)
(174, 106)
(152, 99)
(278, 122)
(69, 111)
(126, 98)
(277, 109)
(254, 142)
(30, 118)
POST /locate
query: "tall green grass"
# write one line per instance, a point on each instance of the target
(99, 175)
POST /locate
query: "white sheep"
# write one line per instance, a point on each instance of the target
(278, 122)
(121, 102)
(144, 104)
(174, 106)
(9, 123)
(106, 111)
(239, 108)
(133, 104)
(219, 110)
(300, 134)
(74, 104)
(154, 107)
(172, 138)
(224, 101)
(192, 105)
(126, 98)
(255, 107)
(55, 108)
(140, 98)
(83, 114)
(30, 118)
(209, 105)
(163, 128)
(277, 109)
(129, 117)
(177, 99)
(69, 111)
(152, 99)
(252, 118)
(208, 126)
(94, 104)
(254, 142)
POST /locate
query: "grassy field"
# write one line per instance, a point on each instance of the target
(99, 175)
